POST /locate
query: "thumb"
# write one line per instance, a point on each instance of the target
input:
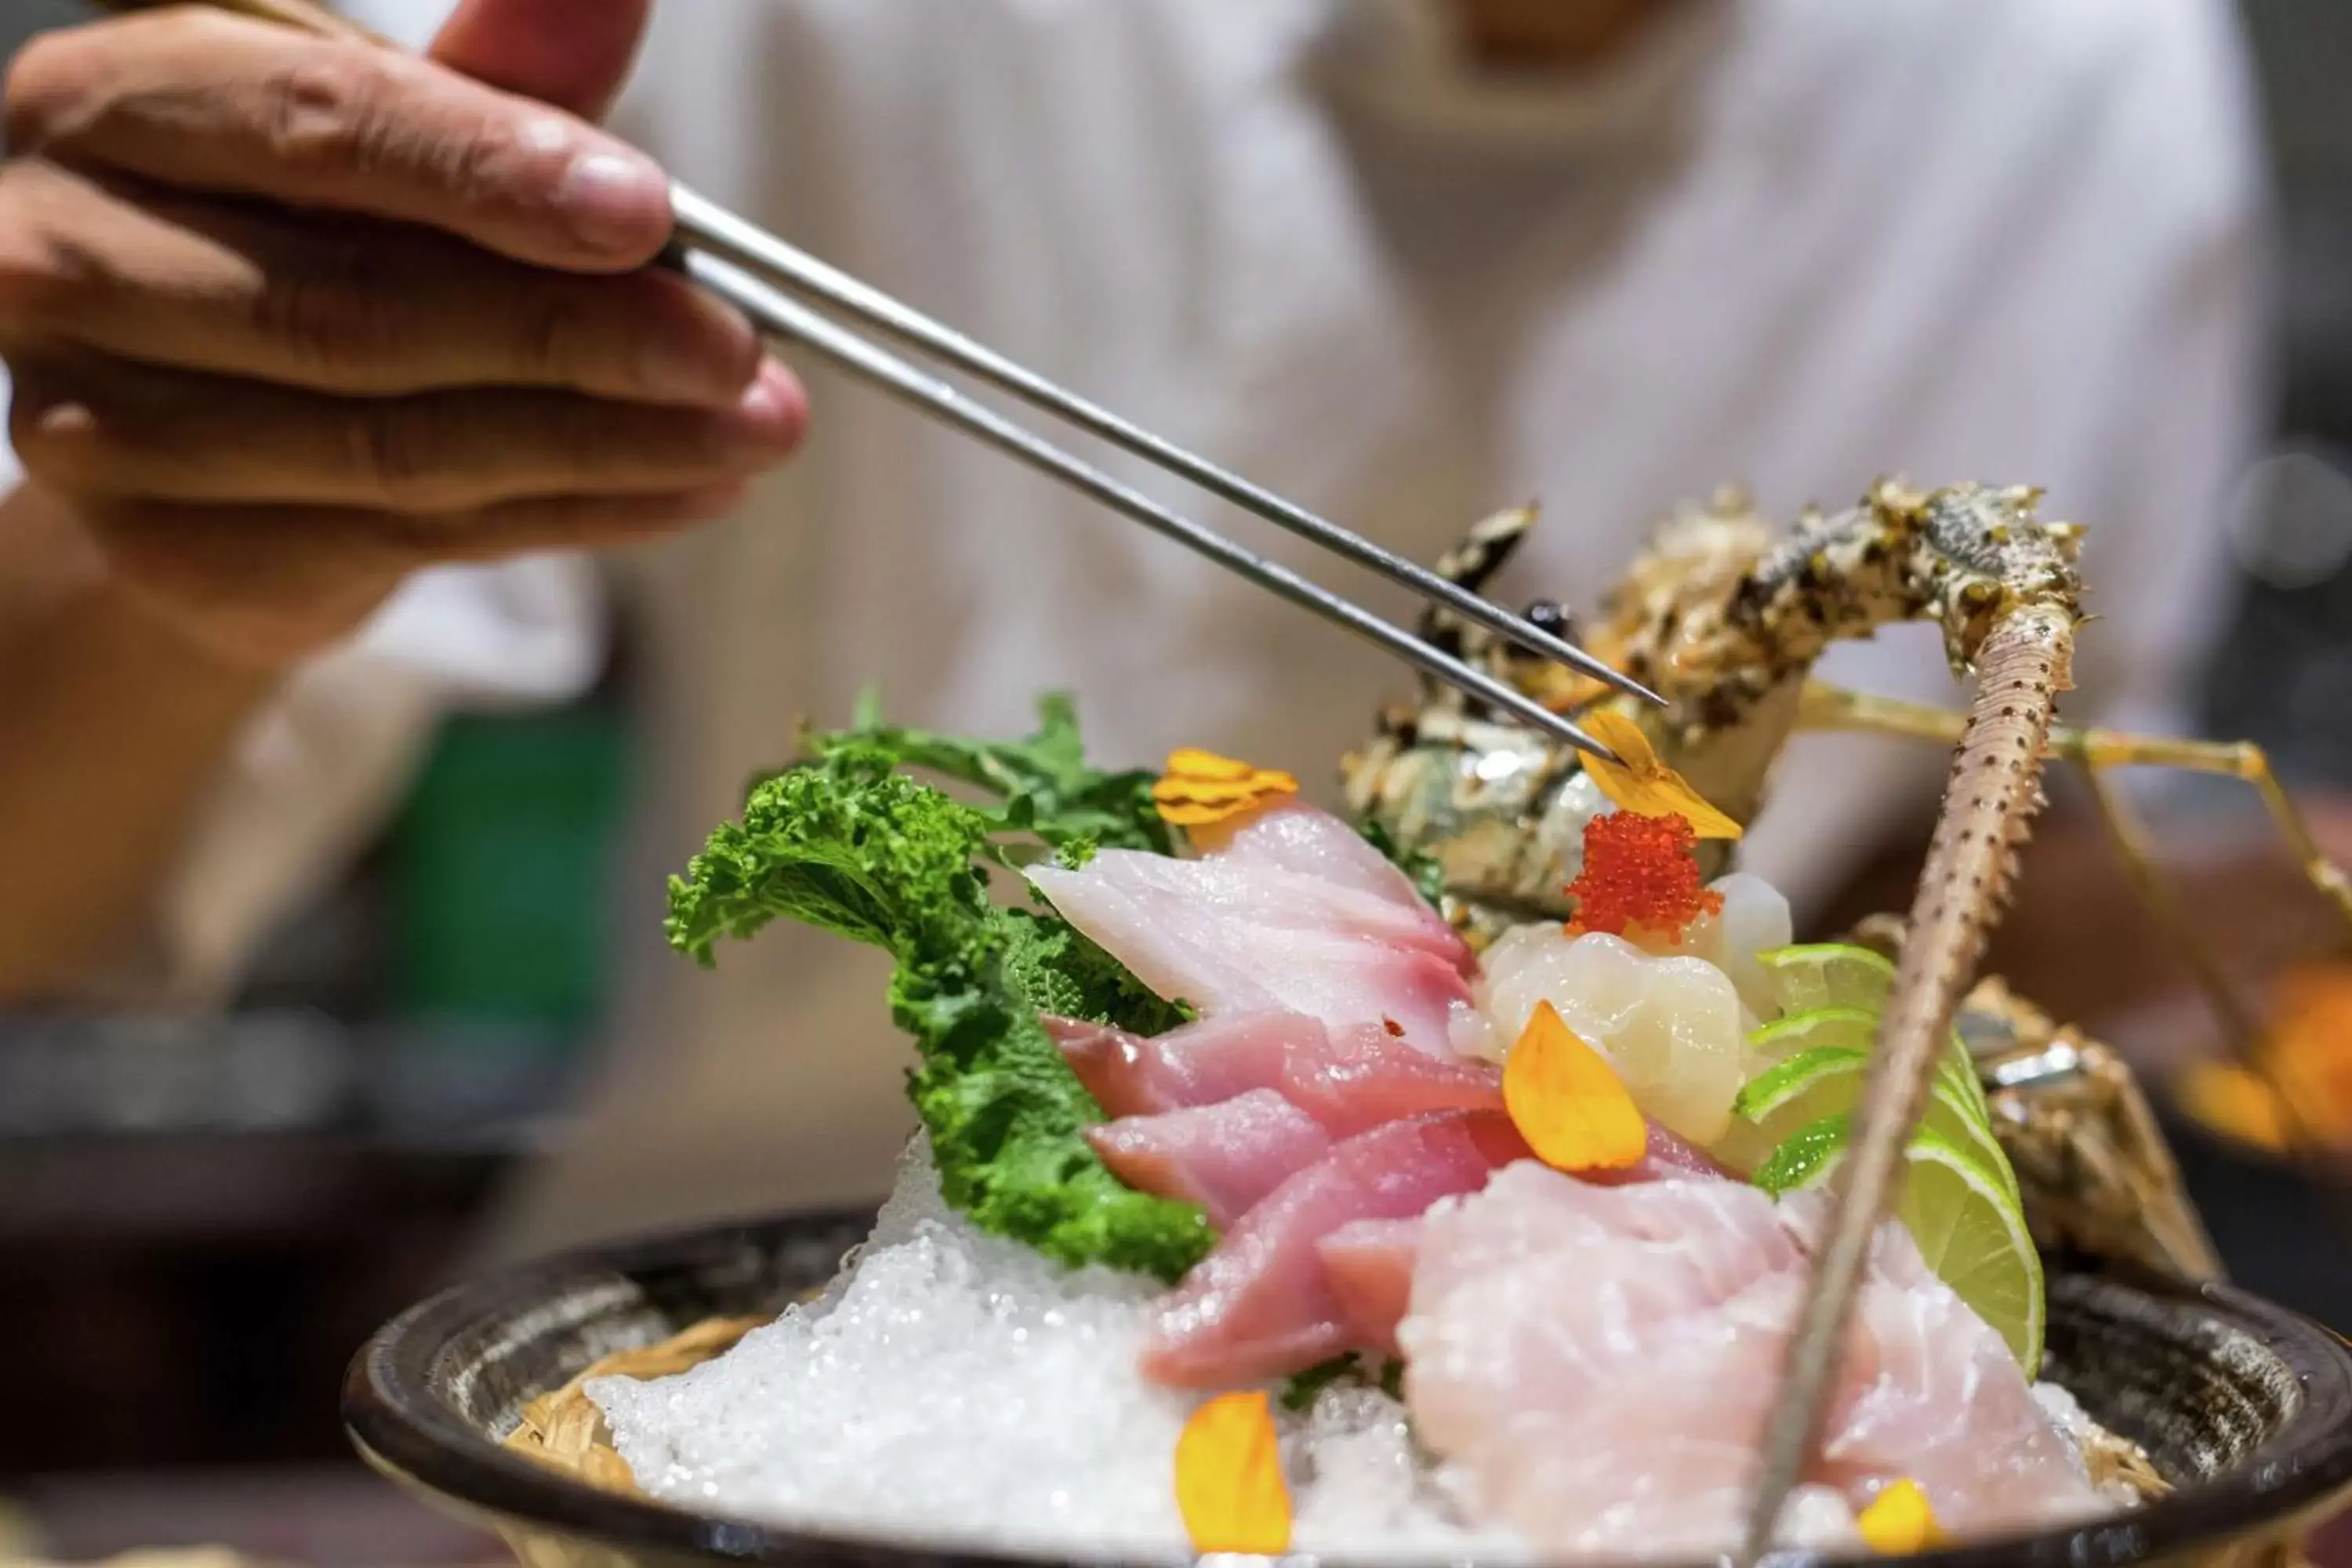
(573, 54)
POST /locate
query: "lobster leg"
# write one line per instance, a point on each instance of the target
(2095, 751)
(1830, 708)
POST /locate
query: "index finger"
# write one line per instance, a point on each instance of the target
(210, 103)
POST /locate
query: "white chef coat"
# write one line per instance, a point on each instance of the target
(1796, 244)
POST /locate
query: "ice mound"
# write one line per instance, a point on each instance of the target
(959, 1387)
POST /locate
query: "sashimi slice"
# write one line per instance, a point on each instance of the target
(1667, 1156)
(1370, 1263)
(1269, 895)
(1931, 1379)
(1259, 1305)
(1223, 1157)
(1594, 1364)
(1233, 936)
(1354, 1080)
(1350, 1080)
(1292, 836)
(1368, 1266)
(1200, 1063)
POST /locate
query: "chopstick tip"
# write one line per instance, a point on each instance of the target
(1633, 688)
(1587, 745)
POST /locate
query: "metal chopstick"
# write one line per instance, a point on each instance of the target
(705, 225)
(785, 318)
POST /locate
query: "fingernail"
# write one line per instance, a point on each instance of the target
(615, 202)
(773, 409)
(707, 359)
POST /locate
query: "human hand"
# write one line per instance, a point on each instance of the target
(290, 318)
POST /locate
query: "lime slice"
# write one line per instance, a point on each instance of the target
(1814, 975)
(1773, 1109)
(1804, 1158)
(1826, 1080)
(1966, 1223)
(1970, 1077)
(1856, 1029)
(1971, 1230)
(1828, 974)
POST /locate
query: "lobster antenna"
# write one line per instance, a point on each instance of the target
(1990, 799)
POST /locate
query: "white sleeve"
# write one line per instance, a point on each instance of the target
(410, 24)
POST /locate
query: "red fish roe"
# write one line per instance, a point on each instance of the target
(1639, 872)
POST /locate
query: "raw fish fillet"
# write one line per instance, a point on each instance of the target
(1259, 1306)
(1368, 1266)
(1200, 1063)
(1282, 920)
(1349, 1079)
(1915, 1371)
(1295, 837)
(1223, 1157)
(1595, 1363)
(1354, 1080)
(1667, 1156)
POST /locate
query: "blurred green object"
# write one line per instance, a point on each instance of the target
(502, 868)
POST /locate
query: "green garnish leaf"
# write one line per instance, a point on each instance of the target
(847, 842)
(1303, 1388)
(1042, 785)
(1422, 869)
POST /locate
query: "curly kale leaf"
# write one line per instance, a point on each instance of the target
(1060, 968)
(1041, 785)
(849, 845)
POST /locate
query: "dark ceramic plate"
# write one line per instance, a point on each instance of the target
(2244, 1405)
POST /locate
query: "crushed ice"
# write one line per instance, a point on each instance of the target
(960, 1387)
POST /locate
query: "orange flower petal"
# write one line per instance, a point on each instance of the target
(1900, 1522)
(1568, 1102)
(1229, 1484)
(2304, 1051)
(2232, 1101)
(1202, 787)
(1644, 784)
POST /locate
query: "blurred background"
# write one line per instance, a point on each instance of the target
(200, 1218)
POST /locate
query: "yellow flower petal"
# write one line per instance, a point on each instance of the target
(1568, 1102)
(1229, 1484)
(1202, 787)
(1191, 762)
(1900, 1522)
(1644, 784)
(1202, 814)
(1177, 792)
